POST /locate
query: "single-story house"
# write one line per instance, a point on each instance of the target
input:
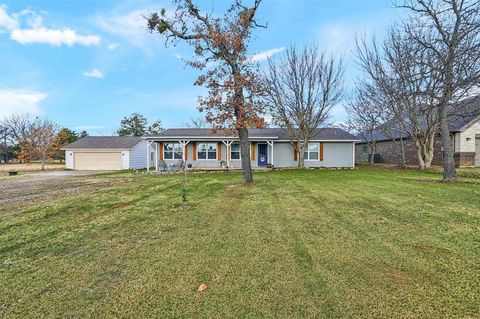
(465, 137)
(328, 147)
(106, 153)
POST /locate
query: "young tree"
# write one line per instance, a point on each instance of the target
(302, 87)
(64, 137)
(155, 128)
(448, 31)
(134, 125)
(220, 43)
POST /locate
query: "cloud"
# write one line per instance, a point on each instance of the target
(55, 37)
(20, 101)
(261, 56)
(36, 32)
(113, 46)
(130, 26)
(94, 73)
(7, 22)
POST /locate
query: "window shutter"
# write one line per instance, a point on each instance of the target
(295, 151)
(219, 151)
(321, 152)
(195, 151)
(161, 150)
(252, 151)
(185, 149)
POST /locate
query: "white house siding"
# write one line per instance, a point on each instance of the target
(125, 159)
(466, 139)
(138, 156)
(69, 159)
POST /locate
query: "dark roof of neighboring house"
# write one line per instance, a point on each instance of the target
(469, 110)
(118, 142)
(277, 133)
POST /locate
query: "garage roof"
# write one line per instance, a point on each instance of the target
(117, 142)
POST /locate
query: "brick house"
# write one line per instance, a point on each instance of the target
(465, 136)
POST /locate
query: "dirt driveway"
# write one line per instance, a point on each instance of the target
(25, 190)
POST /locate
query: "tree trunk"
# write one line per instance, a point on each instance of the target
(449, 170)
(402, 152)
(428, 155)
(301, 154)
(43, 164)
(245, 155)
(419, 148)
(373, 149)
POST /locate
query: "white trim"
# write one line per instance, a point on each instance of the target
(206, 153)
(308, 152)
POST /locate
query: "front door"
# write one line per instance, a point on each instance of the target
(262, 154)
(477, 150)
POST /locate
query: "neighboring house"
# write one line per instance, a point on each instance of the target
(107, 153)
(328, 147)
(465, 136)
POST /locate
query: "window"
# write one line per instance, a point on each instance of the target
(311, 154)
(207, 151)
(235, 151)
(365, 149)
(172, 151)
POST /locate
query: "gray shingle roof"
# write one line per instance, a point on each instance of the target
(319, 134)
(118, 142)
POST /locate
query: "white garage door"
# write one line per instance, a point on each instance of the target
(97, 161)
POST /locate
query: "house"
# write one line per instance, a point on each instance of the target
(465, 137)
(328, 147)
(106, 153)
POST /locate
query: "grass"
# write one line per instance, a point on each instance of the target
(364, 243)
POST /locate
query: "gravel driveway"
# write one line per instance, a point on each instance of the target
(30, 188)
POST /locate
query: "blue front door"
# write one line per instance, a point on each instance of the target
(262, 154)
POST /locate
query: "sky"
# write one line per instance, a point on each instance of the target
(85, 64)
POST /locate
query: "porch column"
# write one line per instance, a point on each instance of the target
(271, 147)
(156, 155)
(185, 149)
(228, 146)
(149, 143)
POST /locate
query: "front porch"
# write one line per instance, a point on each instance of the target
(207, 154)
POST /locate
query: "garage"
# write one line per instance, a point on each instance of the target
(107, 153)
(89, 161)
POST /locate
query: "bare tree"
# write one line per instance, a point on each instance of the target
(302, 86)
(220, 42)
(397, 73)
(449, 32)
(197, 122)
(365, 117)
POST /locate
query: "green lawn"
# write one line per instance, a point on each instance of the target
(364, 243)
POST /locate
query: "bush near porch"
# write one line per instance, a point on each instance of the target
(299, 243)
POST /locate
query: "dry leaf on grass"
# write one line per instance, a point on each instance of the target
(202, 288)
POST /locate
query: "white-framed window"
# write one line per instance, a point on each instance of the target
(207, 151)
(172, 151)
(235, 151)
(313, 152)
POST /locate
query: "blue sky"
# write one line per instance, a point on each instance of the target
(85, 64)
